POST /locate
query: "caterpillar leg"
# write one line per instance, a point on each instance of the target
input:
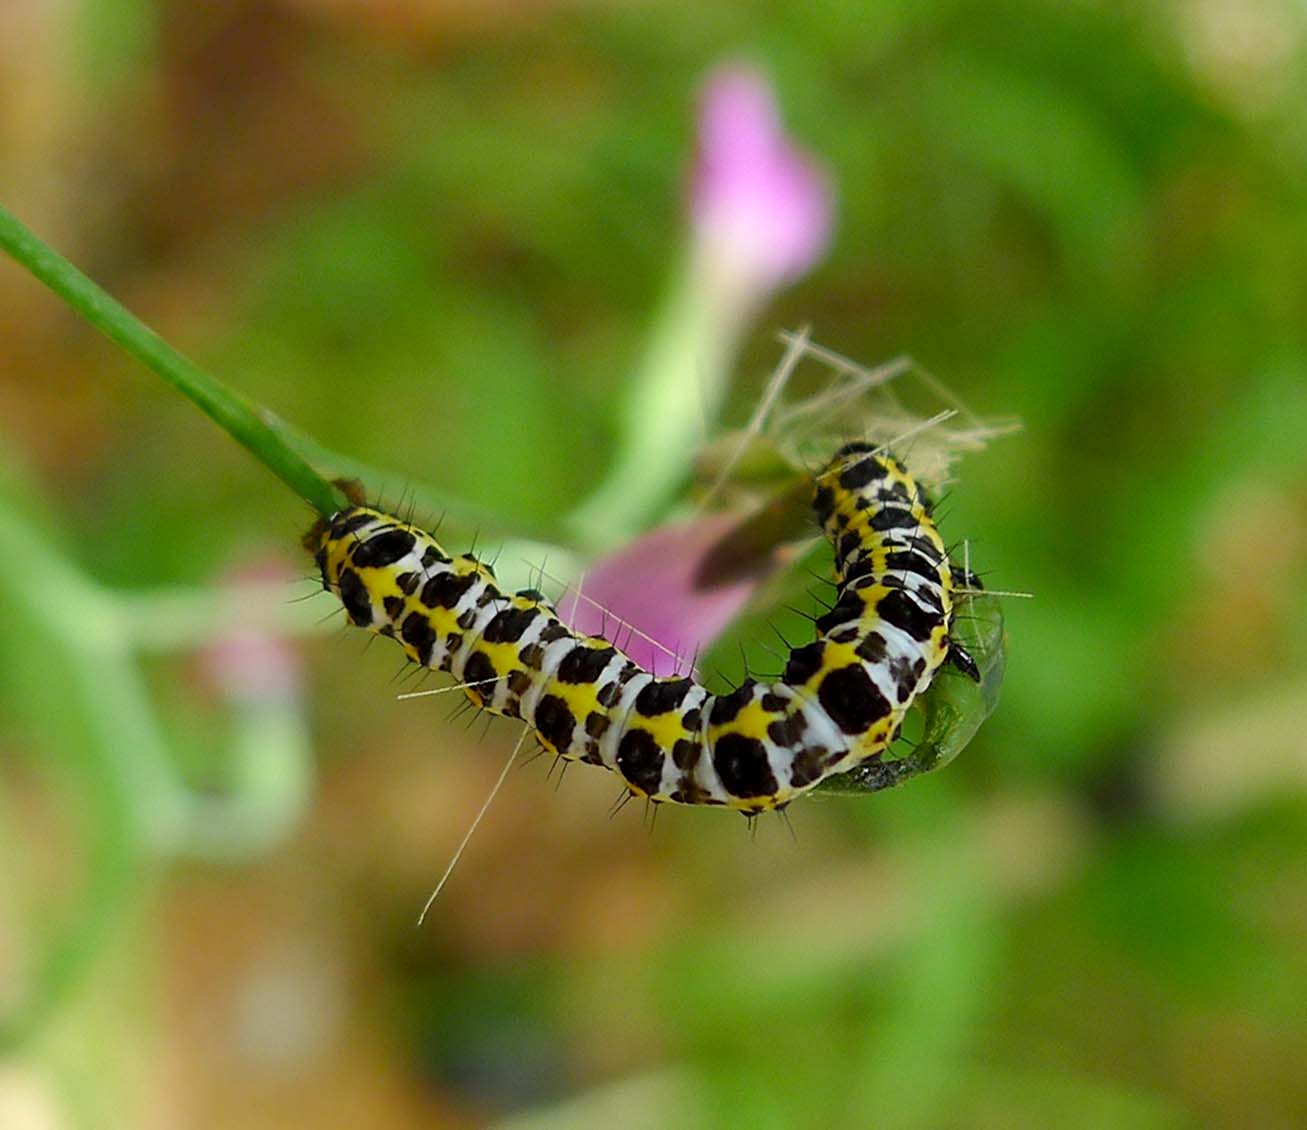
(960, 659)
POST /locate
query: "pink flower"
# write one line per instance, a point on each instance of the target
(246, 662)
(651, 599)
(762, 209)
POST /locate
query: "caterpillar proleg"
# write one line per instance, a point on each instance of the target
(838, 705)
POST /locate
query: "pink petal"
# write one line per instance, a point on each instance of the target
(649, 600)
(247, 661)
(759, 204)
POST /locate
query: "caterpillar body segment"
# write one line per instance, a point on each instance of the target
(838, 704)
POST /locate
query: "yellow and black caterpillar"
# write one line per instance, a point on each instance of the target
(839, 703)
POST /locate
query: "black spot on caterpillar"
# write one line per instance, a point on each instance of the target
(838, 705)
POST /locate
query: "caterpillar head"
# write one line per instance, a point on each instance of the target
(317, 536)
(356, 551)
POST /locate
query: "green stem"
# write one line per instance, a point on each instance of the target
(226, 407)
(674, 398)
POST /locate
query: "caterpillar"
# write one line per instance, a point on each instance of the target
(838, 705)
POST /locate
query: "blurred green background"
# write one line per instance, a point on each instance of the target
(433, 234)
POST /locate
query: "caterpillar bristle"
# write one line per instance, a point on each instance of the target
(621, 802)
(476, 823)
